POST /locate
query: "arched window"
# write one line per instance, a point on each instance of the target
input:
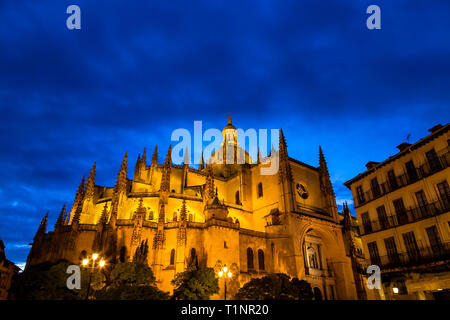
(238, 201)
(250, 265)
(261, 259)
(123, 254)
(172, 257)
(317, 294)
(260, 190)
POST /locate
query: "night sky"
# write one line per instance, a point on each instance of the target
(137, 70)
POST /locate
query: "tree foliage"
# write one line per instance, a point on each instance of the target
(131, 274)
(131, 281)
(275, 287)
(44, 282)
(124, 281)
(195, 284)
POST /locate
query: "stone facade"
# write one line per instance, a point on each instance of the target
(215, 215)
(403, 207)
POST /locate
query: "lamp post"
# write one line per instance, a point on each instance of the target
(85, 263)
(225, 274)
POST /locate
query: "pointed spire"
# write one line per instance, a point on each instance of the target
(162, 214)
(230, 123)
(90, 184)
(283, 146)
(66, 218)
(168, 161)
(201, 165)
(77, 215)
(183, 212)
(121, 183)
(259, 156)
(155, 156)
(144, 157)
(104, 216)
(186, 160)
(209, 186)
(61, 218)
(42, 227)
(81, 189)
(79, 196)
(137, 166)
(141, 209)
(165, 179)
(325, 175)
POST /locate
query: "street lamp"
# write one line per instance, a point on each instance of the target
(85, 263)
(225, 274)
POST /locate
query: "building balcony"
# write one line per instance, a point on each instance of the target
(426, 255)
(408, 216)
(426, 169)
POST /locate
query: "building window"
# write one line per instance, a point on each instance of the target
(400, 211)
(250, 265)
(411, 171)
(392, 180)
(360, 195)
(433, 161)
(261, 259)
(373, 253)
(411, 245)
(366, 222)
(444, 193)
(375, 188)
(172, 257)
(382, 217)
(391, 249)
(422, 202)
(435, 240)
(260, 190)
(236, 195)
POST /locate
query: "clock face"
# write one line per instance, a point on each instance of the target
(302, 191)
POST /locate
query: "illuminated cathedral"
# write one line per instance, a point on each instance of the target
(215, 215)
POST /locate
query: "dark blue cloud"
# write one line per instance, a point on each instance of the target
(138, 70)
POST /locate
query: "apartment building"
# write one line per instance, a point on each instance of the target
(403, 209)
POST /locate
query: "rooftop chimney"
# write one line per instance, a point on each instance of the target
(403, 146)
(435, 128)
(371, 164)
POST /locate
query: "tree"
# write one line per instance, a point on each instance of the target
(131, 274)
(131, 281)
(195, 284)
(275, 287)
(45, 281)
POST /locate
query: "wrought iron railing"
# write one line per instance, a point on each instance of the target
(408, 216)
(426, 169)
(430, 254)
